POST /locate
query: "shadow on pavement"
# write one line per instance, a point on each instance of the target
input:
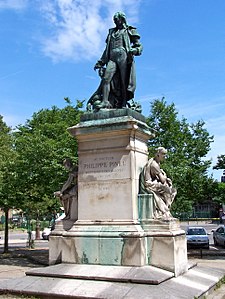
(25, 257)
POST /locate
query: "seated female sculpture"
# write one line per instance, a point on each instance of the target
(153, 180)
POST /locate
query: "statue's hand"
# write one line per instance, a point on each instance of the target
(134, 51)
(163, 172)
(98, 65)
(169, 182)
(58, 194)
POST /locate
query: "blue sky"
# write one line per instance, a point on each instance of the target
(49, 48)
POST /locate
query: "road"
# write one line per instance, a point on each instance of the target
(19, 238)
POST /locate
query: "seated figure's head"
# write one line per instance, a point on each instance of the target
(161, 153)
(67, 163)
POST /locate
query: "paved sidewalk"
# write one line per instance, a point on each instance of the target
(17, 262)
(214, 262)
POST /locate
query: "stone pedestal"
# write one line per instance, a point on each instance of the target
(166, 244)
(112, 150)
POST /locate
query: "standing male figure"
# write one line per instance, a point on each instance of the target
(119, 80)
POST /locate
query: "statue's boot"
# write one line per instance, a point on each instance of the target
(104, 105)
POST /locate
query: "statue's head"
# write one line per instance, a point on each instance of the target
(161, 153)
(161, 149)
(67, 163)
(119, 18)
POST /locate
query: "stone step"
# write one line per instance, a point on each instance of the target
(144, 275)
(196, 282)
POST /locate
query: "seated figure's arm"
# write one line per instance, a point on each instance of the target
(169, 182)
(157, 172)
(67, 184)
(162, 177)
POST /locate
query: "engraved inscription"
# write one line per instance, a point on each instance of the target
(104, 167)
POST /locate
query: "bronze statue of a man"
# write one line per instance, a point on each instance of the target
(119, 77)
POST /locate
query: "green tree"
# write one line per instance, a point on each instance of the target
(220, 162)
(8, 198)
(42, 144)
(187, 146)
(221, 193)
(221, 186)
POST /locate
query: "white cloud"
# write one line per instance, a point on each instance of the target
(13, 4)
(217, 124)
(13, 120)
(78, 28)
(199, 111)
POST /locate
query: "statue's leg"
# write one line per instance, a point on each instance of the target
(122, 64)
(66, 210)
(62, 199)
(109, 73)
(65, 202)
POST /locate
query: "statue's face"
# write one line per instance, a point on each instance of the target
(118, 21)
(162, 156)
(67, 165)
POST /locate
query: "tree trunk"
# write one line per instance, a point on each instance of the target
(38, 233)
(6, 241)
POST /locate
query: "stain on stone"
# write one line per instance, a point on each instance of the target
(131, 250)
(84, 259)
(74, 252)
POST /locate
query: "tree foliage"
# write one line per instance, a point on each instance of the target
(220, 193)
(8, 182)
(31, 165)
(187, 145)
(220, 162)
(7, 167)
(42, 144)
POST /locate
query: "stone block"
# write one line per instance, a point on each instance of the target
(113, 245)
(169, 253)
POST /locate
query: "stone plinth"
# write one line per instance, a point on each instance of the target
(104, 244)
(114, 227)
(166, 244)
(112, 149)
(112, 152)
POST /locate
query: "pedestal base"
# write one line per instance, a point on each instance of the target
(115, 244)
(114, 227)
(168, 251)
(121, 244)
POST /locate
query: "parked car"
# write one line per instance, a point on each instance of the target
(46, 232)
(197, 237)
(219, 235)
